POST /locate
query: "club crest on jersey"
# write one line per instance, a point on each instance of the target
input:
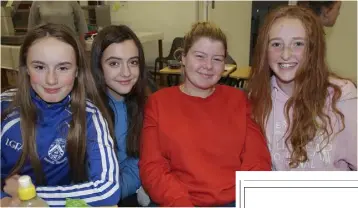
(56, 152)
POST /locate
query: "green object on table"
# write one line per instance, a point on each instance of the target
(91, 27)
(75, 203)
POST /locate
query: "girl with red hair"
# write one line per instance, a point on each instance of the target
(307, 113)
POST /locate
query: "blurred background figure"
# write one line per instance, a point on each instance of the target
(328, 11)
(68, 13)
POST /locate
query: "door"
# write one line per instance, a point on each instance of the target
(258, 13)
(234, 18)
(240, 21)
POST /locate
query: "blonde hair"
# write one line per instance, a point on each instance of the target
(201, 29)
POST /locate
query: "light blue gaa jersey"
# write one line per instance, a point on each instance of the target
(102, 188)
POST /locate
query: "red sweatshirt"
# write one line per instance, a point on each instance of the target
(191, 146)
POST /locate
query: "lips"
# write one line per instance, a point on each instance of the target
(206, 75)
(51, 90)
(124, 82)
(287, 65)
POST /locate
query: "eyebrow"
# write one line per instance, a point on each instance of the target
(59, 64)
(112, 57)
(134, 57)
(207, 54)
(120, 59)
(294, 38)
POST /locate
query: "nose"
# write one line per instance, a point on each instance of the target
(125, 71)
(286, 53)
(51, 77)
(209, 63)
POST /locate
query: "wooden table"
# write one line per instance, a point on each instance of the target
(229, 68)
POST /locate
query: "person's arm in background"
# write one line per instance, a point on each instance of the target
(162, 186)
(80, 21)
(34, 15)
(102, 188)
(255, 155)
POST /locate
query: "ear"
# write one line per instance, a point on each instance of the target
(325, 11)
(76, 72)
(183, 59)
(25, 68)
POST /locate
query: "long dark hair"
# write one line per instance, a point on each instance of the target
(135, 99)
(84, 85)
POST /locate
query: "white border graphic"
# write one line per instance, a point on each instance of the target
(293, 189)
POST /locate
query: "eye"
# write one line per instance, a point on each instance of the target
(218, 60)
(63, 68)
(199, 56)
(134, 63)
(114, 64)
(299, 43)
(39, 67)
(275, 44)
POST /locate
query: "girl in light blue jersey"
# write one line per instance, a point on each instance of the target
(118, 65)
(49, 130)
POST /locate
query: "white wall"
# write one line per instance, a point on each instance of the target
(342, 42)
(174, 18)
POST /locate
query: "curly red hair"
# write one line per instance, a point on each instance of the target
(310, 93)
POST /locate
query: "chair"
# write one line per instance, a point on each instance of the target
(177, 43)
(151, 83)
(227, 80)
(229, 60)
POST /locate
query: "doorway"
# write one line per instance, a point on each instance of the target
(258, 13)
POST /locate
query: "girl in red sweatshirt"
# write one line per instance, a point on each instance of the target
(198, 134)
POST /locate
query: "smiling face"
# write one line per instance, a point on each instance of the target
(287, 39)
(204, 63)
(52, 68)
(120, 64)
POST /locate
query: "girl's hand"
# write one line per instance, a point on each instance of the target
(12, 185)
(10, 202)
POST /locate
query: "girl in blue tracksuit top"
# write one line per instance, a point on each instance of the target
(49, 130)
(118, 65)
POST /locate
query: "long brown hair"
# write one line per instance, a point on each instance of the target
(135, 99)
(310, 90)
(22, 101)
